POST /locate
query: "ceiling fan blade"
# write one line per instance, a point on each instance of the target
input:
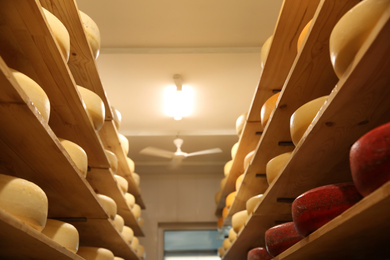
(157, 152)
(208, 151)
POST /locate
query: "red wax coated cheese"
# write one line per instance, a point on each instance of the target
(281, 237)
(316, 207)
(259, 253)
(370, 160)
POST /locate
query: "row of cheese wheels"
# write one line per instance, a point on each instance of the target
(28, 203)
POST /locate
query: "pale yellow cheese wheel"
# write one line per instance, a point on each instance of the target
(232, 235)
(238, 220)
(225, 212)
(127, 234)
(226, 244)
(227, 167)
(63, 233)
(302, 35)
(60, 33)
(221, 251)
(34, 92)
(77, 154)
(118, 258)
(239, 181)
(117, 116)
(136, 178)
(92, 32)
(141, 252)
(108, 205)
(265, 50)
(130, 199)
(131, 164)
(230, 198)
(252, 202)
(136, 210)
(141, 221)
(124, 142)
(275, 165)
(350, 32)
(122, 183)
(267, 109)
(94, 105)
(119, 223)
(134, 243)
(113, 160)
(303, 116)
(234, 150)
(24, 200)
(95, 253)
(248, 159)
(240, 123)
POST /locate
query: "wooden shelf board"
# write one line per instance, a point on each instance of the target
(20, 241)
(26, 44)
(34, 153)
(81, 61)
(103, 182)
(110, 139)
(101, 233)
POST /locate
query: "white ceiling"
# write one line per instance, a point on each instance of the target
(214, 45)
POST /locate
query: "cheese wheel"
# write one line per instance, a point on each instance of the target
(230, 198)
(24, 200)
(141, 221)
(95, 253)
(351, 31)
(108, 205)
(35, 93)
(234, 150)
(60, 33)
(267, 109)
(239, 181)
(275, 165)
(134, 244)
(232, 235)
(130, 199)
(77, 154)
(117, 117)
(303, 116)
(112, 159)
(118, 258)
(131, 164)
(265, 50)
(127, 234)
(119, 223)
(248, 159)
(227, 167)
(238, 220)
(92, 32)
(63, 233)
(136, 210)
(141, 252)
(221, 251)
(225, 212)
(226, 244)
(124, 142)
(220, 223)
(94, 105)
(302, 35)
(252, 202)
(122, 183)
(240, 123)
(136, 178)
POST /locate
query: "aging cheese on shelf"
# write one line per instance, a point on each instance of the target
(265, 50)
(252, 202)
(239, 181)
(258, 253)
(94, 105)
(108, 205)
(267, 108)
(136, 210)
(130, 199)
(95, 253)
(227, 168)
(117, 117)
(221, 251)
(280, 237)
(275, 165)
(127, 234)
(112, 159)
(141, 252)
(226, 244)
(239, 219)
(118, 258)
(92, 32)
(234, 150)
(248, 159)
(24, 200)
(232, 235)
(77, 154)
(134, 244)
(60, 33)
(240, 123)
(124, 142)
(230, 198)
(303, 34)
(130, 162)
(122, 183)
(136, 178)
(141, 221)
(119, 223)
(34, 92)
(63, 233)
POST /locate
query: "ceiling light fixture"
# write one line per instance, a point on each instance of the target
(178, 99)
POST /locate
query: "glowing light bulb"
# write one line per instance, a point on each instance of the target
(178, 103)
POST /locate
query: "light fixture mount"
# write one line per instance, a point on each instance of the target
(178, 81)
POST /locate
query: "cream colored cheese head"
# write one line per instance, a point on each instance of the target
(252, 202)
(267, 109)
(134, 244)
(130, 199)
(227, 168)
(92, 32)
(60, 33)
(131, 164)
(95, 253)
(248, 159)
(239, 181)
(108, 205)
(136, 210)
(240, 123)
(238, 220)
(124, 142)
(117, 116)
(136, 178)
(122, 183)
(34, 92)
(302, 35)
(77, 154)
(24, 200)
(141, 252)
(127, 234)
(119, 223)
(351, 31)
(94, 105)
(303, 116)
(265, 50)
(230, 198)
(113, 160)
(63, 233)
(221, 251)
(226, 244)
(234, 150)
(118, 258)
(232, 235)
(141, 221)
(275, 165)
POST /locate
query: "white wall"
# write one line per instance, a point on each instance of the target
(176, 198)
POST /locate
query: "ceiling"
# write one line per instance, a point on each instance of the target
(215, 47)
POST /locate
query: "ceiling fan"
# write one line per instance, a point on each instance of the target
(177, 156)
